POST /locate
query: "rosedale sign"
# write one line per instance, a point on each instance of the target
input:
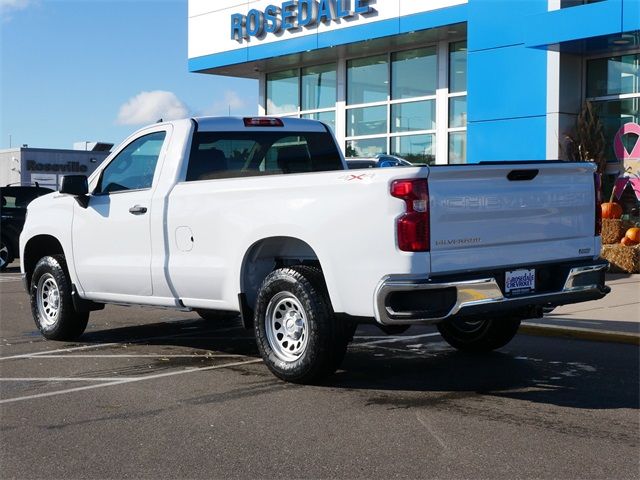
(295, 14)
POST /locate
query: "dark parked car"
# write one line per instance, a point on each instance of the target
(380, 161)
(12, 212)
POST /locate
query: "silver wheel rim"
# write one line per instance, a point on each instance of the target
(4, 254)
(286, 327)
(48, 299)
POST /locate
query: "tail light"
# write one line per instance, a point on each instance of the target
(597, 184)
(413, 226)
(262, 122)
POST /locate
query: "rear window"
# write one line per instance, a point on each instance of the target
(246, 154)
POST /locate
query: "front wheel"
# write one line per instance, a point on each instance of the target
(6, 253)
(296, 332)
(51, 303)
(479, 335)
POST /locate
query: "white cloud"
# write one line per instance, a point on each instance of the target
(231, 102)
(149, 107)
(7, 7)
(278, 109)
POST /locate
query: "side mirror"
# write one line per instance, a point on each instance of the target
(76, 185)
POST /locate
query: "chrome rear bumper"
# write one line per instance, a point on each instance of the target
(484, 295)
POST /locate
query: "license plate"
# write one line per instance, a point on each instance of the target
(520, 281)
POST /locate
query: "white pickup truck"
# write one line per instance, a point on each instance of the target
(259, 216)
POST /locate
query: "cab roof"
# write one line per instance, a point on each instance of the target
(216, 124)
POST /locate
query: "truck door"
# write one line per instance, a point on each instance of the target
(112, 237)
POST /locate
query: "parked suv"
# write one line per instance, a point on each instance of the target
(379, 161)
(13, 210)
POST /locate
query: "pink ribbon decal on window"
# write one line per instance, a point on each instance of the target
(622, 154)
(618, 146)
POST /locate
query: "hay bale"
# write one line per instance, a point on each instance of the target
(622, 259)
(613, 230)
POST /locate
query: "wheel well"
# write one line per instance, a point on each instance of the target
(36, 248)
(269, 254)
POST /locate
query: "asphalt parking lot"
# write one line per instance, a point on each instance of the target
(152, 393)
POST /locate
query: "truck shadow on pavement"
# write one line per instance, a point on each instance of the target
(554, 371)
(407, 374)
(226, 336)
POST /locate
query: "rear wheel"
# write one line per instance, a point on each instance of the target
(296, 331)
(51, 303)
(6, 253)
(479, 335)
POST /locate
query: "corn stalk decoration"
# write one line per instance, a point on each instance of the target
(586, 143)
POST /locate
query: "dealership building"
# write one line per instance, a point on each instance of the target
(46, 166)
(438, 81)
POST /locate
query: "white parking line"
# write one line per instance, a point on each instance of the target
(10, 277)
(144, 356)
(48, 352)
(127, 380)
(66, 379)
(103, 345)
(397, 339)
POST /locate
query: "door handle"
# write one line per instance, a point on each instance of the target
(138, 210)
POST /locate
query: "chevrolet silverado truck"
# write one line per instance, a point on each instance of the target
(260, 217)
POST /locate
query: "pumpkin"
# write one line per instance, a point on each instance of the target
(633, 234)
(627, 242)
(611, 210)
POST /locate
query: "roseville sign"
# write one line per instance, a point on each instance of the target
(69, 167)
(294, 14)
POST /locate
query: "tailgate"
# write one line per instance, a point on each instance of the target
(511, 214)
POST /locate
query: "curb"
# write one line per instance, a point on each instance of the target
(546, 330)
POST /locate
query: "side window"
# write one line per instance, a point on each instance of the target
(9, 201)
(133, 167)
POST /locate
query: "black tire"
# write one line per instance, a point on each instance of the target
(6, 253)
(322, 344)
(51, 304)
(479, 335)
(216, 315)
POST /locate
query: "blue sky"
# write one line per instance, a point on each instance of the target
(98, 69)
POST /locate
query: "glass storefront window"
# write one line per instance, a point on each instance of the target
(414, 148)
(367, 80)
(282, 92)
(414, 73)
(613, 76)
(608, 79)
(458, 67)
(457, 148)
(390, 101)
(325, 117)
(319, 87)
(369, 147)
(575, 3)
(457, 112)
(614, 114)
(366, 121)
(408, 117)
